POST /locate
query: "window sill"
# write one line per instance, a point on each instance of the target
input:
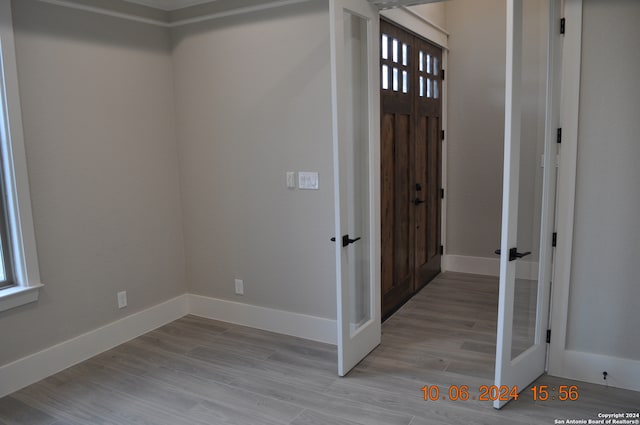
(18, 295)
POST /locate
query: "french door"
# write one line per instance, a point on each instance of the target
(356, 135)
(528, 205)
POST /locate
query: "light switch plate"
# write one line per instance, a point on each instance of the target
(291, 179)
(308, 180)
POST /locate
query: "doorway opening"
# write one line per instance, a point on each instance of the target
(411, 164)
(451, 325)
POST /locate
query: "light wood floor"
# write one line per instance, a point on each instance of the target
(198, 371)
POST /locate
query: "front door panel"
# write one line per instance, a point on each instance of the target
(411, 159)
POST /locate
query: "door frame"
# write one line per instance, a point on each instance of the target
(415, 22)
(566, 191)
(563, 362)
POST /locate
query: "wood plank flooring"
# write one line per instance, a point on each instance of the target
(199, 371)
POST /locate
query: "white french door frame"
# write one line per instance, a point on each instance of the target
(552, 115)
(526, 367)
(355, 340)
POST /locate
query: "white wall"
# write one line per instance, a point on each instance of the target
(604, 289)
(436, 13)
(475, 140)
(475, 75)
(253, 101)
(98, 112)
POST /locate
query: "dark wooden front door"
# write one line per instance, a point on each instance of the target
(411, 164)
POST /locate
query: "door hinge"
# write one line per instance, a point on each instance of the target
(554, 239)
(562, 25)
(441, 193)
(442, 135)
(559, 136)
(548, 336)
(442, 74)
(441, 249)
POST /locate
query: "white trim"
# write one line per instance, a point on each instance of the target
(168, 6)
(444, 157)
(16, 296)
(588, 367)
(174, 24)
(508, 372)
(37, 366)
(14, 169)
(559, 362)
(107, 12)
(415, 22)
(30, 369)
(268, 319)
(488, 266)
(239, 11)
(473, 265)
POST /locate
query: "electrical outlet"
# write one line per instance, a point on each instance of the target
(122, 299)
(239, 287)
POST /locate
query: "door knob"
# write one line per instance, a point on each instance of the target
(418, 201)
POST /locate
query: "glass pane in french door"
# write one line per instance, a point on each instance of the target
(532, 142)
(358, 253)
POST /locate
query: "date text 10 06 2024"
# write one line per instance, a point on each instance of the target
(502, 393)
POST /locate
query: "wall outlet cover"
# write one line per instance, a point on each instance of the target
(239, 287)
(122, 299)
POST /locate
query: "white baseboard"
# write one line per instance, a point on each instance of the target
(622, 373)
(37, 366)
(283, 322)
(473, 265)
(588, 367)
(486, 266)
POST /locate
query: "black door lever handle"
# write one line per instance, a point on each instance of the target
(514, 254)
(418, 201)
(346, 240)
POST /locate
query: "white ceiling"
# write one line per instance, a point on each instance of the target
(169, 4)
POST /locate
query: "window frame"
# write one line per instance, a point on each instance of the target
(21, 259)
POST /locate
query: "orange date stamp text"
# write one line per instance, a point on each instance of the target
(500, 393)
